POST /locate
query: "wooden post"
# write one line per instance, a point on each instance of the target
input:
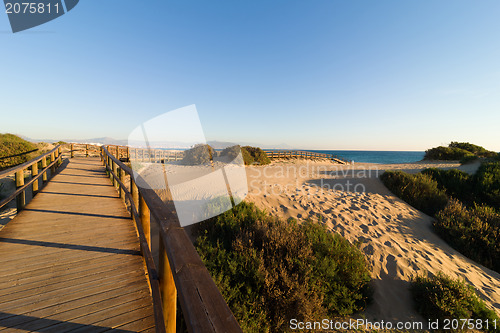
(72, 150)
(145, 215)
(53, 168)
(21, 198)
(59, 154)
(122, 178)
(115, 173)
(44, 165)
(128, 154)
(34, 173)
(168, 291)
(135, 194)
(86, 150)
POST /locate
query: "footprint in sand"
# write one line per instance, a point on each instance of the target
(364, 228)
(387, 243)
(368, 250)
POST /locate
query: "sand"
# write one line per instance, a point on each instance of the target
(397, 239)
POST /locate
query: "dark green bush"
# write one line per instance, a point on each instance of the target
(474, 232)
(199, 154)
(419, 190)
(487, 183)
(468, 159)
(270, 271)
(447, 153)
(13, 145)
(254, 155)
(230, 152)
(441, 297)
(460, 151)
(456, 183)
(474, 149)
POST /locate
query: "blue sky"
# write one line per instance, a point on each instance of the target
(374, 75)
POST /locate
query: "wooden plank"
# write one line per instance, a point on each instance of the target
(72, 259)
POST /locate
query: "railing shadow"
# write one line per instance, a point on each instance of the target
(35, 324)
(69, 246)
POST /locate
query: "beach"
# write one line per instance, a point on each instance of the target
(398, 240)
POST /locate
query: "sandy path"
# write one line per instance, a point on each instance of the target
(397, 239)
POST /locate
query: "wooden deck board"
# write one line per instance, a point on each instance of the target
(71, 261)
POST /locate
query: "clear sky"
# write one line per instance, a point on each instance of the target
(324, 74)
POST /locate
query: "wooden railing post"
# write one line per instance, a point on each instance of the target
(86, 150)
(72, 150)
(44, 165)
(122, 179)
(168, 291)
(145, 215)
(135, 193)
(53, 168)
(34, 173)
(115, 169)
(59, 153)
(21, 198)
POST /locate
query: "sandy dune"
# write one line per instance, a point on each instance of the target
(397, 239)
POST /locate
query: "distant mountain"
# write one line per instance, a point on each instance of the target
(161, 144)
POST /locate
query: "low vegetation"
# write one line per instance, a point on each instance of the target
(460, 151)
(15, 150)
(474, 231)
(199, 154)
(466, 207)
(202, 154)
(419, 190)
(441, 297)
(487, 183)
(270, 270)
(254, 155)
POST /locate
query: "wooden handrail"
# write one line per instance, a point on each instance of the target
(180, 267)
(55, 156)
(304, 154)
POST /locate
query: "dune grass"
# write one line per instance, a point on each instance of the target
(461, 151)
(12, 145)
(441, 297)
(270, 270)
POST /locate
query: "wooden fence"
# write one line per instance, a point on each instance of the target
(39, 168)
(180, 274)
(274, 154)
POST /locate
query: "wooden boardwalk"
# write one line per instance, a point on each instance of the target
(71, 262)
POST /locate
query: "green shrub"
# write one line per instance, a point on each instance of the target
(441, 297)
(13, 145)
(461, 151)
(487, 183)
(419, 190)
(446, 153)
(199, 154)
(230, 152)
(270, 270)
(456, 183)
(254, 155)
(468, 159)
(474, 149)
(474, 232)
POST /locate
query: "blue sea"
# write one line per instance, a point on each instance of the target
(383, 157)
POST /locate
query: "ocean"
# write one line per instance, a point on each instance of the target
(383, 157)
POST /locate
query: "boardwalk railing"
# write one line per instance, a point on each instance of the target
(84, 150)
(39, 168)
(305, 155)
(180, 273)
